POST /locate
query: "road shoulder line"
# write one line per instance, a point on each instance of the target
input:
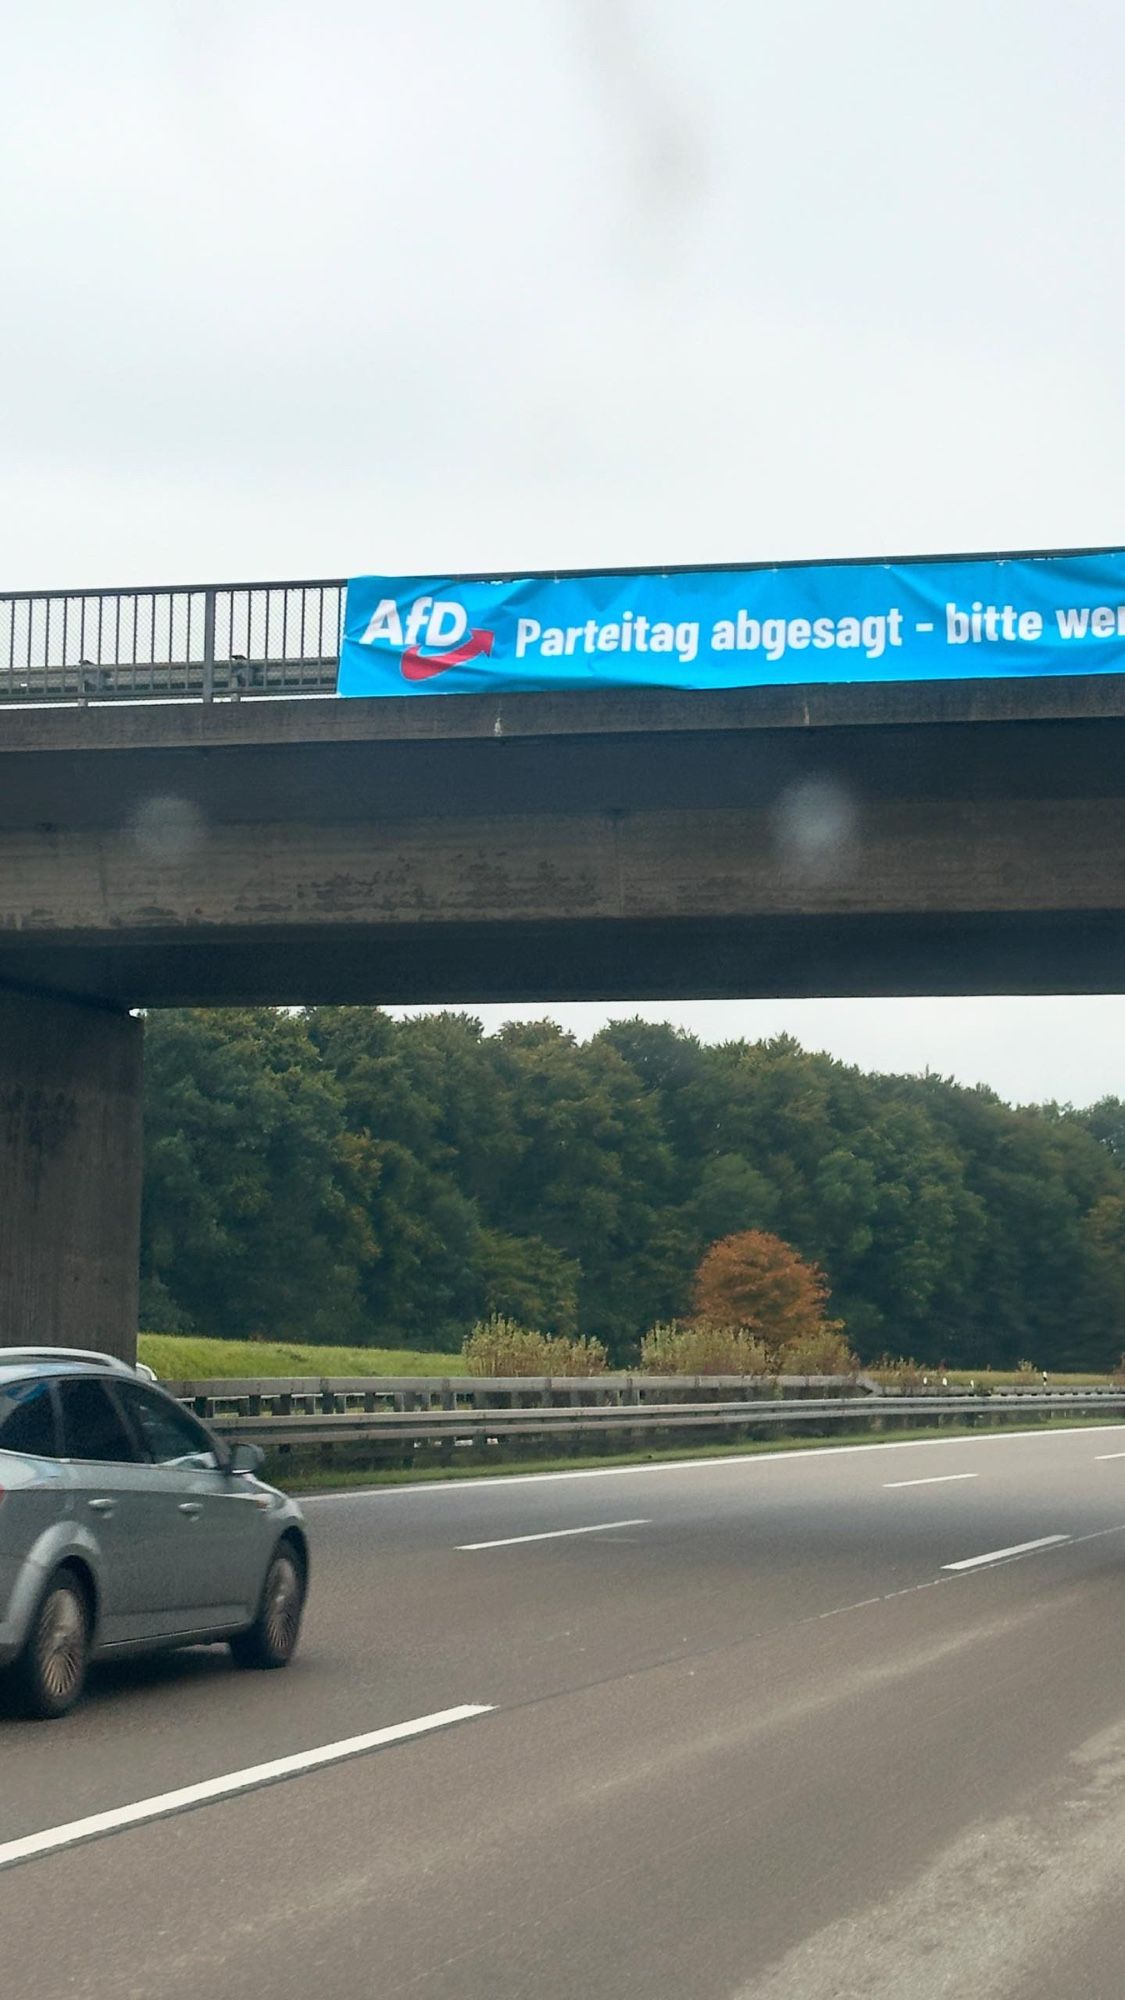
(514, 1480)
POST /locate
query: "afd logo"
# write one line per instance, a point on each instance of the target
(434, 622)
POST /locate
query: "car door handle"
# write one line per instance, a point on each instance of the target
(100, 1506)
(191, 1507)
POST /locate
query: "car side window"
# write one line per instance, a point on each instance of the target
(27, 1419)
(93, 1427)
(169, 1435)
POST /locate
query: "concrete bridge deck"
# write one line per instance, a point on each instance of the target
(965, 837)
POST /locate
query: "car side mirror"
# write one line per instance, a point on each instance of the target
(245, 1458)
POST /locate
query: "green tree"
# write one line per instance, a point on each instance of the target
(527, 1280)
(255, 1197)
(409, 1096)
(593, 1177)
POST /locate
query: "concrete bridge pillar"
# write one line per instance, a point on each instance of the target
(70, 1174)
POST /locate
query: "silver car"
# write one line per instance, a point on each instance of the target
(126, 1527)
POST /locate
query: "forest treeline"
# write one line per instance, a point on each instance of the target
(339, 1175)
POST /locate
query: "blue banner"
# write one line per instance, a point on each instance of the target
(964, 618)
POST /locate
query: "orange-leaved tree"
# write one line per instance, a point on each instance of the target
(758, 1281)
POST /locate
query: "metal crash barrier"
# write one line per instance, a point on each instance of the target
(408, 1412)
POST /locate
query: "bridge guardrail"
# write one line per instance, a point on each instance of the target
(170, 642)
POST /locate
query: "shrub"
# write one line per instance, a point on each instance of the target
(702, 1347)
(579, 1356)
(824, 1353)
(894, 1372)
(499, 1346)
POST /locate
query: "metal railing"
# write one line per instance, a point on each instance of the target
(333, 1395)
(173, 642)
(407, 1430)
(408, 1413)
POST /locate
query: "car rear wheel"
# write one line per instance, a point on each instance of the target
(272, 1639)
(50, 1673)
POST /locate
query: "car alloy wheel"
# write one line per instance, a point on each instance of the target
(271, 1640)
(281, 1612)
(60, 1642)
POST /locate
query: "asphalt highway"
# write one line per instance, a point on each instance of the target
(811, 1726)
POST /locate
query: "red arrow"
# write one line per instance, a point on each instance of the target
(417, 666)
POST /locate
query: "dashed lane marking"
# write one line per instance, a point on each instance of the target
(552, 1535)
(935, 1479)
(1001, 1555)
(164, 1804)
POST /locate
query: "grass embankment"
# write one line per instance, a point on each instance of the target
(297, 1474)
(184, 1358)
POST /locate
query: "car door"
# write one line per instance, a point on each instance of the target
(219, 1525)
(33, 1484)
(112, 1496)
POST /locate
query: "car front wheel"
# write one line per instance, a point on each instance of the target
(272, 1639)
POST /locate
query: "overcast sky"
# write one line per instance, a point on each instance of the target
(308, 291)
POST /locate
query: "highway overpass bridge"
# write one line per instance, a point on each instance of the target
(204, 823)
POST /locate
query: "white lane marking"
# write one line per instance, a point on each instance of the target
(998, 1555)
(166, 1803)
(513, 1480)
(936, 1479)
(552, 1535)
(837, 1611)
(860, 1605)
(1101, 1456)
